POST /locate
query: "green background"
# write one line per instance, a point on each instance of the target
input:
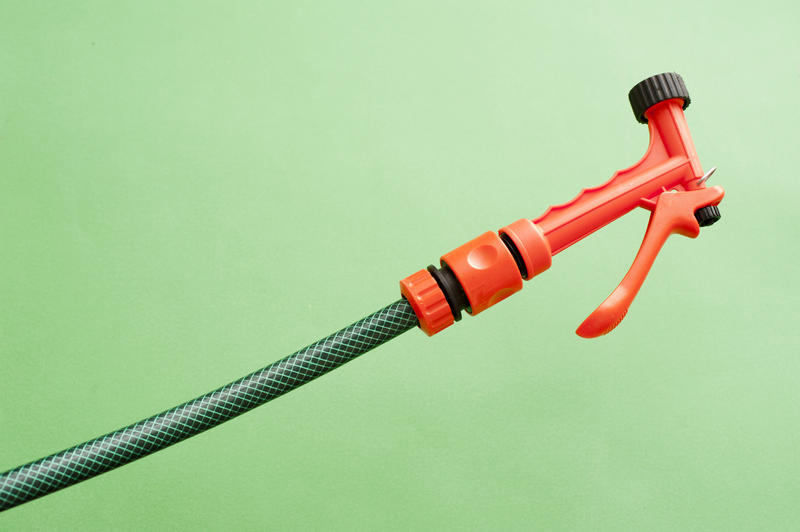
(191, 190)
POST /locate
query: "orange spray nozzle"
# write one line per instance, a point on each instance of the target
(668, 180)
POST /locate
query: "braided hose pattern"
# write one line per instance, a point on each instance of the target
(125, 445)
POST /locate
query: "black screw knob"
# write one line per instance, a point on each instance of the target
(655, 89)
(707, 215)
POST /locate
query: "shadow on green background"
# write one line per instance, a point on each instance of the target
(190, 191)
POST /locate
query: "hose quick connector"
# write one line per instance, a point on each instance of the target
(475, 276)
(428, 301)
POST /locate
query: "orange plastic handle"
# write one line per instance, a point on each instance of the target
(670, 162)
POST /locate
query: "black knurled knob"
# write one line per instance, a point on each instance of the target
(707, 215)
(656, 89)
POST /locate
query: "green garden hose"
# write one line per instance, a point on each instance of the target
(125, 445)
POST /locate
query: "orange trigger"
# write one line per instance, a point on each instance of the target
(672, 212)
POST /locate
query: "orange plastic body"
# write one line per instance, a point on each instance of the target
(665, 181)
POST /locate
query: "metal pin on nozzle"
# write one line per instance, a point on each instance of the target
(707, 175)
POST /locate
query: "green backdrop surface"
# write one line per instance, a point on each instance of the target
(191, 190)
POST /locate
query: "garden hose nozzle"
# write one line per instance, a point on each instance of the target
(668, 181)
